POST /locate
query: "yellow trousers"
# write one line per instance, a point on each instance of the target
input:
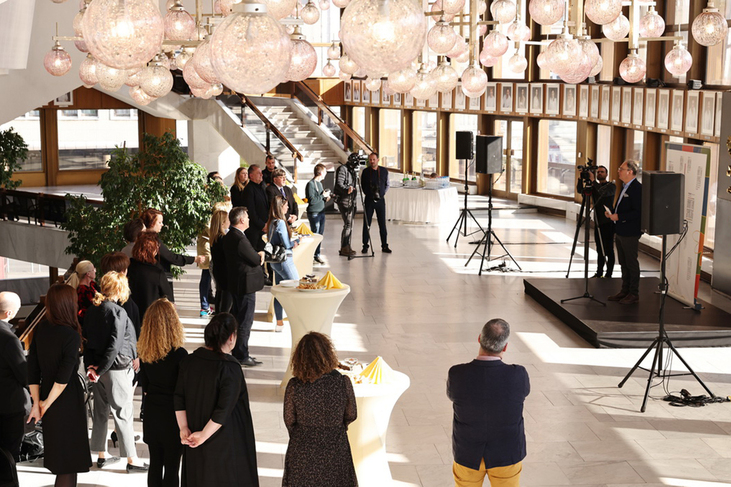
(499, 476)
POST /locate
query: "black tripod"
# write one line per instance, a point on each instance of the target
(662, 339)
(486, 241)
(584, 213)
(464, 212)
(365, 221)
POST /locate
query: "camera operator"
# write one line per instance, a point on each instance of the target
(344, 193)
(375, 183)
(602, 193)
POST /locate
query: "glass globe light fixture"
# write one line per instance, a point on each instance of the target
(425, 85)
(333, 52)
(546, 12)
(57, 61)
(597, 67)
(542, 60)
(280, 9)
(441, 38)
(481, 7)
(517, 63)
(651, 24)
(464, 57)
(310, 14)
(503, 10)
(347, 65)
(383, 35)
(133, 76)
(156, 80)
(191, 76)
(87, 71)
(169, 4)
(81, 44)
(217, 8)
(518, 31)
(111, 79)
(165, 60)
(329, 69)
(445, 76)
(183, 57)
(563, 54)
(487, 60)
(460, 46)
(632, 69)
(602, 12)
(582, 67)
(216, 89)
(361, 73)
(402, 81)
(250, 50)
(304, 57)
(123, 33)
(344, 76)
(324, 4)
(341, 3)
(227, 7)
(481, 30)
(710, 27)
(373, 83)
(179, 24)
(474, 81)
(139, 96)
(452, 6)
(495, 44)
(590, 49)
(617, 29)
(203, 62)
(437, 6)
(204, 93)
(678, 61)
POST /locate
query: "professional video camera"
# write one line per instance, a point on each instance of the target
(356, 159)
(590, 167)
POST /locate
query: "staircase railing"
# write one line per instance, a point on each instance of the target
(323, 109)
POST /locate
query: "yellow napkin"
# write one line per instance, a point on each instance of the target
(378, 372)
(298, 199)
(303, 229)
(330, 282)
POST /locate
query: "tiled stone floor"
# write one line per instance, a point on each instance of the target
(421, 310)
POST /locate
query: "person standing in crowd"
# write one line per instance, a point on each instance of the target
(161, 350)
(13, 380)
(83, 281)
(270, 164)
(375, 183)
(278, 188)
(203, 247)
(212, 408)
(345, 194)
(316, 199)
(280, 233)
(119, 262)
(319, 404)
(245, 278)
(488, 434)
(602, 193)
(257, 205)
(147, 282)
(218, 229)
(110, 357)
(56, 388)
(626, 215)
(241, 179)
(131, 231)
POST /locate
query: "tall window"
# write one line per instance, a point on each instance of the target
(359, 122)
(710, 239)
(556, 157)
(460, 122)
(500, 180)
(28, 126)
(603, 146)
(389, 138)
(425, 142)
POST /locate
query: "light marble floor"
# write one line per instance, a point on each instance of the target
(421, 309)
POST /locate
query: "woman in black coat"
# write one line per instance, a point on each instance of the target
(219, 227)
(147, 282)
(161, 349)
(57, 391)
(237, 189)
(212, 408)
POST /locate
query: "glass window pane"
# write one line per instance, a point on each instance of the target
(389, 138)
(28, 126)
(459, 122)
(710, 238)
(556, 157)
(500, 180)
(603, 145)
(359, 121)
(87, 143)
(425, 143)
(516, 157)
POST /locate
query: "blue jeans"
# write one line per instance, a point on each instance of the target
(285, 270)
(204, 288)
(317, 225)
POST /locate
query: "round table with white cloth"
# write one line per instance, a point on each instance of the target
(303, 256)
(422, 205)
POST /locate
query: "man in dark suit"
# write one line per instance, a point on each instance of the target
(278, 188)
(15, 404)
(602, 194)
(627, 215)
(488, 436)
(374, 183)
(245, 278)
(257, 204)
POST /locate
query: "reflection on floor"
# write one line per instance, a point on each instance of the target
(421, 309)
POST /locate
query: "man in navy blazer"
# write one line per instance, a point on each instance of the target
(374, 183)
(627, 216)
(488, 436)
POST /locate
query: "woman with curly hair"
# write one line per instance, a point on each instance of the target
(319, 404)
(147, 282)
(160, 350)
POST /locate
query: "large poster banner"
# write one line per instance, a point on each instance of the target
(683, 268)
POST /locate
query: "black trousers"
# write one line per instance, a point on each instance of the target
(380, 209)
(627, 250)
(164, 463)
(224, 301)
(347, 212)
(604, 238)
(243, 310)
(11, 433)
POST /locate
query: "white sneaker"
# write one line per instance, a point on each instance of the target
(278, 328)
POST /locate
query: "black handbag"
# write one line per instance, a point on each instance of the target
(274, 254)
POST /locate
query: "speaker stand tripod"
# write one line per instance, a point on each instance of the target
(461, 224)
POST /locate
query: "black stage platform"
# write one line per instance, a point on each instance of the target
(635, 326)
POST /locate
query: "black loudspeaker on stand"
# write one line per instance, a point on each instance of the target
(662, 214)
(463, 151)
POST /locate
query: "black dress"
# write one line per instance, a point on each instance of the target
(317, 415)
(147, 283)
(54, 357)
(212, 387)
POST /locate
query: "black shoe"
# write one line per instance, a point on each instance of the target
(100, 462)
(268, 282)
(137, 468)
(596, 276)
(386, 250)
(365, 249)
(249, 362)
(618, 297)
(319, 260)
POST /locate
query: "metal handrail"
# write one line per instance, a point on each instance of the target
(271, 127)
(324, 107)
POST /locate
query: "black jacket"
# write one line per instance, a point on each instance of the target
(371, 180)
(218, 264)
(13, 373)
(257, 204)
(629, 211)
(344, 178)
(245, 274)
(166, 258)
(237, 196)
(147, 283)
(273, 191)
(602, 194)
(111, 342)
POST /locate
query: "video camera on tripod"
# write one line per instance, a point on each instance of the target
(585, 178)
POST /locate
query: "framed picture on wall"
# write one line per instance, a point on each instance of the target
(536, 98)
(552, 99)
(719, 107)
(569, 100)
(459, 99)
(650, 107)
(408, 100)
(583, 101)
(434, 101)
(663, 109)
(348, 89)
(691, 111)
(637, 106)
(506, 97)
(491, 97)
(605, 105)
(447, 100)
(397, 99)
(708, 112)
(366, 94)
(65, 100)
(376, 96)
(385, 95)
(626, 105)
(356, 90)
(594, 104)
(676, 118)
(474, 104)
(420, 103)
(616, 103)
(521, 98)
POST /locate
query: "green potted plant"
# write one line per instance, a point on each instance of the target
(13, 152)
